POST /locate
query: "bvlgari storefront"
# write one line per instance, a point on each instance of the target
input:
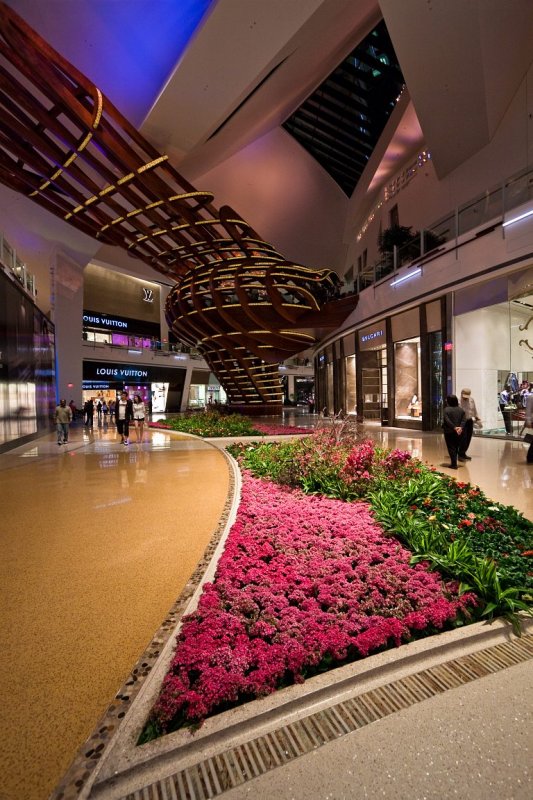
(373, 377)
(392, 372)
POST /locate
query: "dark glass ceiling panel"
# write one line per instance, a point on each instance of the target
(341, 122)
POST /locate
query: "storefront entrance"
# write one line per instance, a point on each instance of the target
(494, 351)
(374, 383)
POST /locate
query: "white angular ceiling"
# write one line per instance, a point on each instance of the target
(204, 94)
(463, 61)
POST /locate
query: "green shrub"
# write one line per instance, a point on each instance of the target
(212, 424)
(452, 525)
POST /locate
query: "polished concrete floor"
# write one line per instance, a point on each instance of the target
(498, 466)
(98, 540)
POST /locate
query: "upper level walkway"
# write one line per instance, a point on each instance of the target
(99, 540)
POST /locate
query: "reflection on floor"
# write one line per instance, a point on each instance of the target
(498, 466)
(98, 540)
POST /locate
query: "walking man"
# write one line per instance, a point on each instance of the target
(63, 420)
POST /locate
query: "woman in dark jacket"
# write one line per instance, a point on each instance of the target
(123, 416)
(453, 425)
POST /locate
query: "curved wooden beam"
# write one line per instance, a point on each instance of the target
(65, 145)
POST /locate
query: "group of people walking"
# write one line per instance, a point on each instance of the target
(459, 418)
(124, 411)
(127, 411)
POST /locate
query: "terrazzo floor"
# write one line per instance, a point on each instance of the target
(99, 540)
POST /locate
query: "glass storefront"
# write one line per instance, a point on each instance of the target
(373, 365)
(374, 383)
(351, 385)
(493, 346)
(161, 388)
(202, 395)
(27, 373)
(436, 388)
(407, 350)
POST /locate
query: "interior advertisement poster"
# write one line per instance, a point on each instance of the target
(159, 397)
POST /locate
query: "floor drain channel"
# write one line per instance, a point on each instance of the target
(236, 766)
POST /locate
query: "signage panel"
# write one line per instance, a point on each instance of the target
(373, 337)
(112, 372)
(95, 320)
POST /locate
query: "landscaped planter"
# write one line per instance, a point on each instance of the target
(212, 424)
(307, 583)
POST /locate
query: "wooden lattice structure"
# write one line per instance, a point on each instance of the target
(64, 145)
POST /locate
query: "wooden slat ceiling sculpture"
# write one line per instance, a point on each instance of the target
(235, 297)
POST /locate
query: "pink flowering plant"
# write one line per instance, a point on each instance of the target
(320, 464)
(308, 581)
(305, 583)
(426, 510)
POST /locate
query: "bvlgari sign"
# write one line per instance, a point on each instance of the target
(373, 337)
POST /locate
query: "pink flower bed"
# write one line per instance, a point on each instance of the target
(280, 430)
(303, 582)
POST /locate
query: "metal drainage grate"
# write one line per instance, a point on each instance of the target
(236, 766)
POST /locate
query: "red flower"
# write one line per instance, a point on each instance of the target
(301, 580)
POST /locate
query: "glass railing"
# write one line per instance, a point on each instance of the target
(490, 206)
(139, 345)
(16, 267)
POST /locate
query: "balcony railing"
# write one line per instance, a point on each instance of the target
(492, 205)
(15, 267)
(137, 345)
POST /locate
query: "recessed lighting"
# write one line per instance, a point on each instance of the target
(407, 277)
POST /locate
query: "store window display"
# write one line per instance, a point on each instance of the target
(408, 379)
(493, 345)
(414, 406)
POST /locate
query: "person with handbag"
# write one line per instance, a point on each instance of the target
(123, 416)
(139, 414)
(468, 404)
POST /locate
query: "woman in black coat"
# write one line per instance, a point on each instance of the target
(452, 426)
(123, 416)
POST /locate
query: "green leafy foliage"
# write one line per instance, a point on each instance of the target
(212, 424)
(484, 545)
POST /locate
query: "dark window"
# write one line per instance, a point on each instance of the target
(341, 122)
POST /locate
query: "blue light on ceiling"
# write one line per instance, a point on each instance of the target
(128, 48)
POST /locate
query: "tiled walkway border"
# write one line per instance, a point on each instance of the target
(235, 766)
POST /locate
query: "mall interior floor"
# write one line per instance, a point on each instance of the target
(99, 539)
